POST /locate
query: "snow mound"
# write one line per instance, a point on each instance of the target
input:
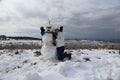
(65, 68)
(34, 76)
(50, 75)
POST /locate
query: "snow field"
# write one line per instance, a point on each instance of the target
(85, 65)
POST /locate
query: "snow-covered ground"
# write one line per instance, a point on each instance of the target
(85, 65)
(86, 44)
(69, 44)
(19, 42)
(78, 42)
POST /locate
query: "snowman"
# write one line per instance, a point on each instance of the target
(48, 49)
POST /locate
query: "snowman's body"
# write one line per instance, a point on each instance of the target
(48, 50)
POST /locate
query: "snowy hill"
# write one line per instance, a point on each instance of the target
(85, 65)
(70, 44)
(20, 44)
(88, 44)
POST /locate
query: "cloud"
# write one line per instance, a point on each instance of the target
(81, 18)
(101, 24)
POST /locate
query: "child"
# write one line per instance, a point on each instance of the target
(60, 45)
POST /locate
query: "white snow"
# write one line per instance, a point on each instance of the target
(85, 65)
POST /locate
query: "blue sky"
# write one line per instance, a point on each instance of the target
(83, 19)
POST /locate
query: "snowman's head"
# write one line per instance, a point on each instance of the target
(48, 28)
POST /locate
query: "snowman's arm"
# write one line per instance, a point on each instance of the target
(61, 28)
(42, 30)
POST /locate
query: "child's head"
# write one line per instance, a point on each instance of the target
(56, 30)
